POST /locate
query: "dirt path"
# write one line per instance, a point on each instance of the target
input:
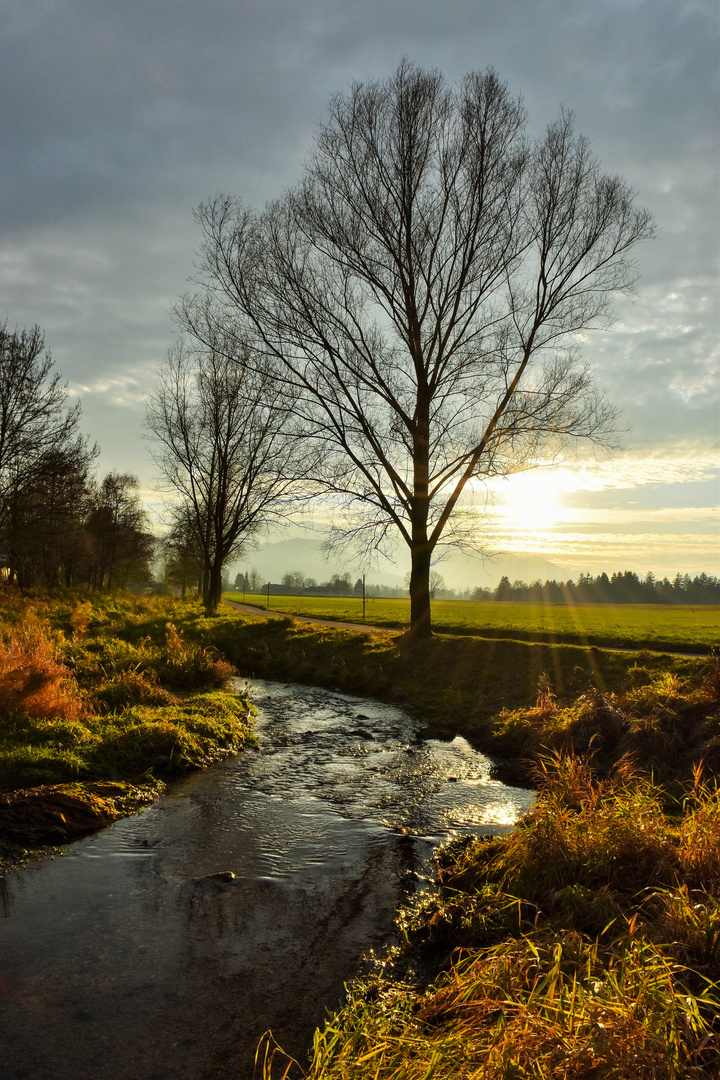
(250, 609)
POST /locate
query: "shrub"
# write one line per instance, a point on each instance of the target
(131, 687)
(186, 664)
(32, 680)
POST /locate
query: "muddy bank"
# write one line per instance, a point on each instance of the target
(60, 813)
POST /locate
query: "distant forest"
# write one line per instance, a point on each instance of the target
(620, 588)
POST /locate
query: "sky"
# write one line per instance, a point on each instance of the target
(120, 116)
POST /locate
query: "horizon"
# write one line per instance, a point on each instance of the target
(459, 571)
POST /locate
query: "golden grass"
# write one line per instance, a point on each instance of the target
(32, 680)
(599, 919)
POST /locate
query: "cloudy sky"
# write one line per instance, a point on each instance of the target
(120, 116)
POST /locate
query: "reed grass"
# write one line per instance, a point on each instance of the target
(601, 923)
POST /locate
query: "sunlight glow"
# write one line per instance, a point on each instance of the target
(530, 500)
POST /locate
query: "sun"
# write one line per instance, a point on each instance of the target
(529, 501)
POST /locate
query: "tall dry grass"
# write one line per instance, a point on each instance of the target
(584, 946)
(32, 679)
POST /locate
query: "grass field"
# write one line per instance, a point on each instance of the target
(643, 626)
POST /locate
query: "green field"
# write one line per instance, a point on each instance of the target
(642, 626)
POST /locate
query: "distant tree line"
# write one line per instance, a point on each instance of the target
(620, 588)
(295, 583)
(59, 525)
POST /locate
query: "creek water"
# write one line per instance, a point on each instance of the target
(126, 958)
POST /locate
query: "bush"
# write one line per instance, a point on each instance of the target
(32, 680)
(185, 664)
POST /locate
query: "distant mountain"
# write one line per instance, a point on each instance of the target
(459, 570)
(462, 571)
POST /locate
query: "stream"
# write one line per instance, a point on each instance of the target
(125, 959)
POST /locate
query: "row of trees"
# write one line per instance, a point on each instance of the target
(620, 588)
(58, 524)
(296, 582)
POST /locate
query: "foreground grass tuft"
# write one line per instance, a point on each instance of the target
(585, 945)
(665, 720)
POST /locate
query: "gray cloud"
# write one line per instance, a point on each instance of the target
(120, 116)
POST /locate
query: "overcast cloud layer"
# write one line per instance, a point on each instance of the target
(120, 116)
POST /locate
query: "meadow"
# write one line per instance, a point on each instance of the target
(674, 628)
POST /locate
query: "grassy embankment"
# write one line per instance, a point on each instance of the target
(99, 702)
(585, 946)
(671, 628)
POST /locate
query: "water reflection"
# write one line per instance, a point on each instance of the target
(127, 958)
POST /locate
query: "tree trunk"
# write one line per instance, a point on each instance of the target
(420, 624)
(205, 585)
(420, 548)
(214, 589)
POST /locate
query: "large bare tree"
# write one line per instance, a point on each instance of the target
(222, 445)
(425, 288)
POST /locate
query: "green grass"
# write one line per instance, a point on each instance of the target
(138, 744)
(632, 626)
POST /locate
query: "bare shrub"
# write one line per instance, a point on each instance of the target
(32, 680)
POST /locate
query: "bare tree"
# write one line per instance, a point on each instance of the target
(425, 288)
(223, 448)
